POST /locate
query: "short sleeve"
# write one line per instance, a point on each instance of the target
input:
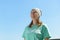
(24, 33)
(45, 32)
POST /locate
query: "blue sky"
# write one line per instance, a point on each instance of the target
(15, 16)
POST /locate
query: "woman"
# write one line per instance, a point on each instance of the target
(36, 30)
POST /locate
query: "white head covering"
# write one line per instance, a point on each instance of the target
(38, 10)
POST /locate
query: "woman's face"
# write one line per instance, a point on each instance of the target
(34, 14)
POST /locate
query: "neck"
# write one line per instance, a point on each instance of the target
(34, 22)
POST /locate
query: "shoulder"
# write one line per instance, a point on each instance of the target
(26, 27)
(44, 25)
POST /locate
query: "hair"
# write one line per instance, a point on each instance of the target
(39, 23)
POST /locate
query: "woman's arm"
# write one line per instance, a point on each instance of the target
(46, 34)
(24, 39)
(46, 38)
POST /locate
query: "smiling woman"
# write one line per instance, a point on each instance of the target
(36, 30)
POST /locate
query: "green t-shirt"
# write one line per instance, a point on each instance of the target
(36, 33)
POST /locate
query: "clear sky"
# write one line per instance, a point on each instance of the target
(15, 16)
